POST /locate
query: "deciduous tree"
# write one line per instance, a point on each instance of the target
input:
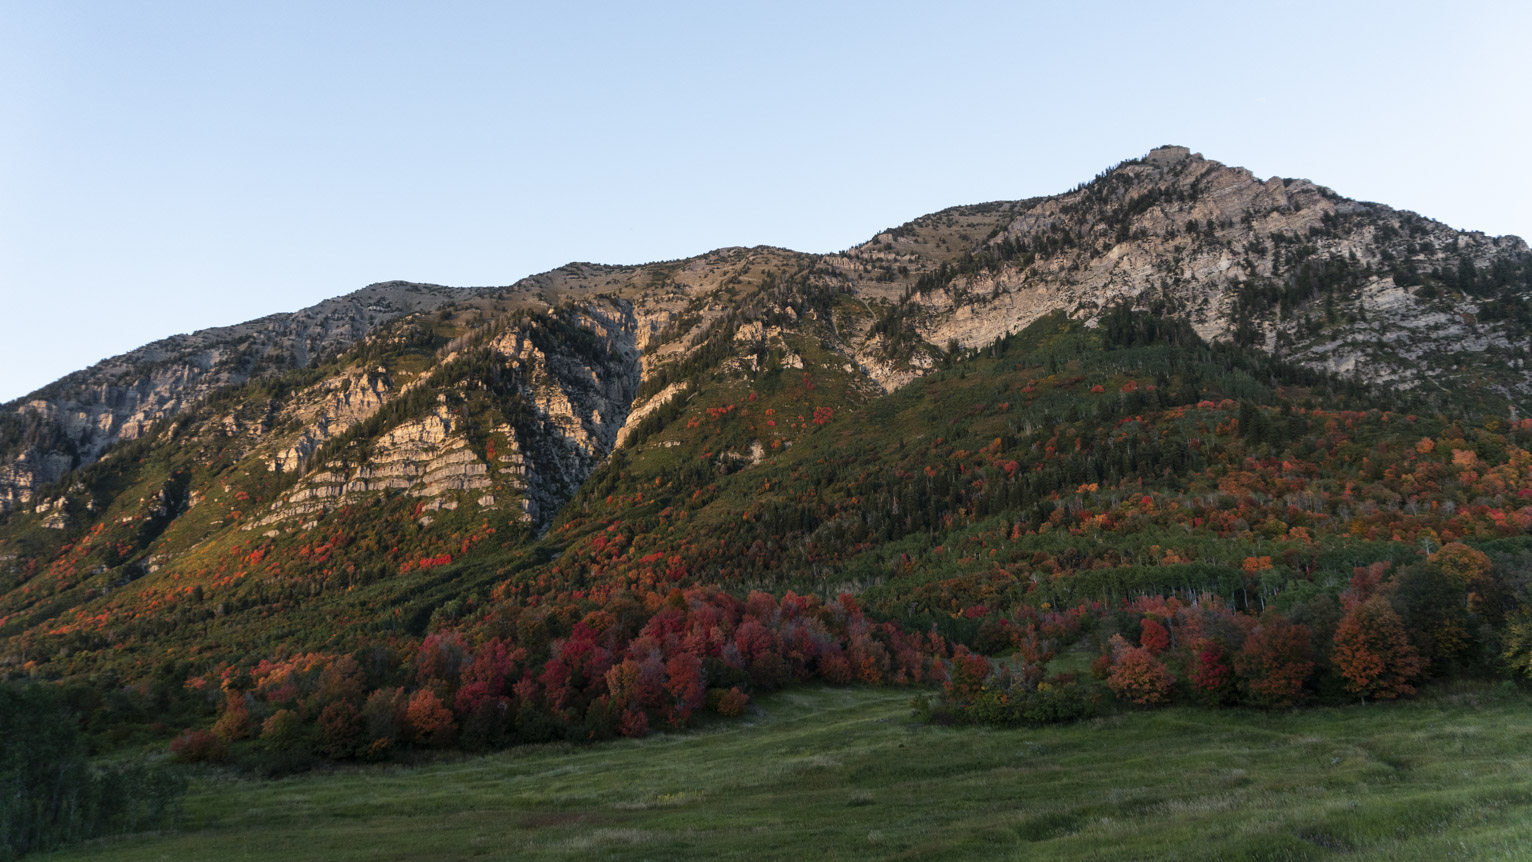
(1373, 653)
(1274, 662)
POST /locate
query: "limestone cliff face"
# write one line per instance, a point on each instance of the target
(580, 399)
(333, 408)
(566, 386)
(427, 457)
(71, 422)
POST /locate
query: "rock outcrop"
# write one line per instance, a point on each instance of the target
(71, 422)
(427, 457)
(581, 401)
(577, 371)
(338, 404)
(1281, 264)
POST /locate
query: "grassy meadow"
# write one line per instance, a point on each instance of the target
(826, 773)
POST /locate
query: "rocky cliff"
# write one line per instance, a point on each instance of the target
(562, 386)
(1282, 264)
(70, 422)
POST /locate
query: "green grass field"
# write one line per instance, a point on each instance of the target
(844, 773)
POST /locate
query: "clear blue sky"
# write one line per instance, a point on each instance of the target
(170, 166)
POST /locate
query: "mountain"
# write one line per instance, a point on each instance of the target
(1141, 385)
(1285, 265)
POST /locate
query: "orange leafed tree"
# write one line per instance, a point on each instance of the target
(1140, 677)
(732, 702)
(1373, 652)
(430, 719)
(1461, 562)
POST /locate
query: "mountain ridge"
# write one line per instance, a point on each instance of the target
(421, 457)
(1096, 246)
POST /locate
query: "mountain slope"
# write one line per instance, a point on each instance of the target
(1020, 377)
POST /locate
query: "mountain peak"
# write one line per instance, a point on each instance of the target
(1171, 154)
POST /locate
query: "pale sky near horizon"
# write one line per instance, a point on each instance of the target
(166, 167)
